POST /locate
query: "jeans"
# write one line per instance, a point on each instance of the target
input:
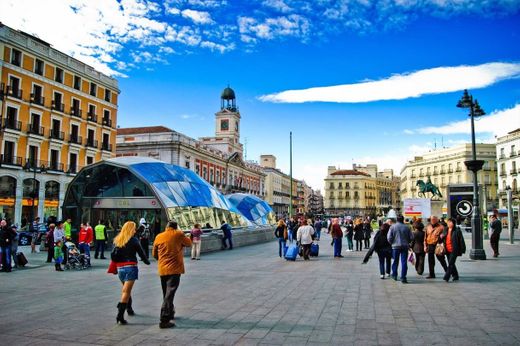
(350, 243)
(85, 248)
(195, 248)
(169, 285)
(452, 269)
(318, 233)
(385, 257)
(359, 245)
(100, 248)
(337, 247)
(403, 255)
(128, 273)
(431, 260)
(224, 245)
(6, 258)
(281, 244)
(367, 243)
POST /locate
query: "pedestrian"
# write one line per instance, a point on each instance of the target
(317, 229)
(58, 255)
(417, 245)
(124, 254)
(85, 238)
(281, 233)
(67, 229)
(367, 233)
(358, 234)
(100, 232)
(400, 236)
(292, 227)
(34, 228)
(496, 229)
(143, 233)
(226, 235)
(196, 241)
(383, 249)
(168, 250)
(304, 238)
(349, 233)
(6, 239)
(455, 246)
(431, 238)
(49, 242)
(337, 237)
(14, 245)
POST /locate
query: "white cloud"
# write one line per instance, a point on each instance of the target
(199, 17)
(270, 28)
(278, 5)
(402, 86)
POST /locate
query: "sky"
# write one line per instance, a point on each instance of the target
(355, 81)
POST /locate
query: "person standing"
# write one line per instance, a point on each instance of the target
(281, 233)
(431, 238)
(14, 245)
(6, 239)
(383, 249)
(196, 241)
(58, 255)
(67, 229)
(168, 249)
(126, 249)
(358, 234)
(496, 229)
(349, 233)
(455, 247)
(143, 233)
(367, 233)
(304, 237)
(100, 232)
(418, 245)
(337, 236)
(400, 236)
(49, 242)
(34, 228)
(317, 228)
(226, 235)
(85, 238)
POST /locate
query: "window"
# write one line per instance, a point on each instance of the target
(37, 95)
(33, 156)
(106, 141)
(93, 89)
(38, 66)
(204, 173)
(55, 160)
(92, 112)
(187, 164)
(14, 87)
(197, 169)
(73, 163)
(57, 103)
(16, 57)
(331, 186)
(58, 76)
(9, 152)
(56, 125)
(90, 136)
(75, 108)
(513, 150)
(502, 152)
(106, 115)
(108, 95)
(34, 126)
(77, 82)
(90, 160)
(74, 134)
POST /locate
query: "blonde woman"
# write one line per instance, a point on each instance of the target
(126, 246)
(282, 234)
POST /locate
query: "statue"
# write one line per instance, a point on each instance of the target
(425, 187)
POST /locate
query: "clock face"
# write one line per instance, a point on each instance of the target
(224, 125)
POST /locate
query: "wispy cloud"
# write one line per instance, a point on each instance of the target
(201, 17)
(402, 86)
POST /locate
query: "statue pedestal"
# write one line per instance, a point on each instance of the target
(437, 208)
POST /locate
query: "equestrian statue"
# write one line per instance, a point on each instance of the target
(425, 187)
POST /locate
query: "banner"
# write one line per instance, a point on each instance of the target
(418, 207)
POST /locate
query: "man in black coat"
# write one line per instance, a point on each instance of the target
(496, 227)
(6, 239)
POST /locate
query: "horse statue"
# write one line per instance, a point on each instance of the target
(425, 187)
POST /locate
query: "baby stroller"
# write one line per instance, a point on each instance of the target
(76, 260)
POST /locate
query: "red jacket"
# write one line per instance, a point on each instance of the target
(86, 235)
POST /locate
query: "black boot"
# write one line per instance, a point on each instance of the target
(129, 307)
(120, 319)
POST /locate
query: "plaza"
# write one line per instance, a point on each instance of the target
(249, 296)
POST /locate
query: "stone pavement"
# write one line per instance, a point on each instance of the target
(249, 296)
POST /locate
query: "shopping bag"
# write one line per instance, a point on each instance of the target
(411, 257)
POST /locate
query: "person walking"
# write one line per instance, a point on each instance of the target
(196, 241)
(400, 236)
(349, 233)
(431, 238)
(143, 234)
(85, 238)
(367, 233)
(337, 236)
(455, 247)
(124, 254)
(292, 228)
(168, 249)
(34, 228)
(49, 242)
(358, 234)
(383, 249)
(226, 235)
(6, 238)
(317, 229)
(14, 245)
(496, 229)
(100, 232)
(304, 238)
(281, 233)
(418, 245)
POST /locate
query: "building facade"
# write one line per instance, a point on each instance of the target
(218, 160)
(446, 166)
(58, 115)
(316, 202)
(277, 186)
(508, 165)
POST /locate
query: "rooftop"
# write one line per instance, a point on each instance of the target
(143, 130)
(350, 172)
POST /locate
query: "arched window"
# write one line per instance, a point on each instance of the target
(7, 197)
(52, 197)
(31, 187)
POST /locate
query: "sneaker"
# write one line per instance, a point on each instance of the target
(382, 277)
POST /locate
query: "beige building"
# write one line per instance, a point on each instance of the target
(508, 159)
(446, 166)
(360, 191)
(277, 186)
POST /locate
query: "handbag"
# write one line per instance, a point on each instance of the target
(440, 250)
(411, 257)
(112, 268)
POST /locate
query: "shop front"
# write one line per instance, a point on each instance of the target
(7, 197)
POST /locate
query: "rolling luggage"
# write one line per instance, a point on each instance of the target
(291, 253)
(22, 260)
(315, 250)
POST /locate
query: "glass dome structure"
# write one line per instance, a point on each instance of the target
(253, 208)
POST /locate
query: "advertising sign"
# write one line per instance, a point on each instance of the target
(418, 207)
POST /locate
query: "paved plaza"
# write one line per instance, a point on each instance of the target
(249, 296)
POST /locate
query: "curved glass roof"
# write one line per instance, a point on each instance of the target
(253, 208)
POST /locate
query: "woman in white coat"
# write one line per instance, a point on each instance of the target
(304, 237)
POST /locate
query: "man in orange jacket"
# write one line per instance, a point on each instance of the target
(168, 250)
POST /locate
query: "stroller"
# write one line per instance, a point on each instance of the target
(76, 259)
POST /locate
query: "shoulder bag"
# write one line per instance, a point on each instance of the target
(440, 250)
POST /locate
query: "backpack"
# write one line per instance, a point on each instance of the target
(116, 255)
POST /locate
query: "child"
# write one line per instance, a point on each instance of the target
(58, 256)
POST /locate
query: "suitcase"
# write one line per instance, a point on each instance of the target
(22, 260)
(315, 250)
(291, 253)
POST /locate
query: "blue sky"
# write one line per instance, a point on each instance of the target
(392, 70)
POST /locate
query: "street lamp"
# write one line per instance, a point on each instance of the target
(510, 227)
(477, 252)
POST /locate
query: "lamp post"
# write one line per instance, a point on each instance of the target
(477, 252)
(510, 227)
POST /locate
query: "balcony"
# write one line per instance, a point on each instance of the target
(450, 170)
(413, 176)
(57, 106)
(55, 134)
(503, 174)
(91, 143)
(73, 169)
(513, 171)
(106, 146)
(458, 169)
(513, 154)
(75, 139)
(107, 122)
(76, 112)
(14, 92)
(55, 166)
(37, 99)
(12, 124)
(92, 117)
(35, 130)
(10, 160)
(435, 173)
(502, 156)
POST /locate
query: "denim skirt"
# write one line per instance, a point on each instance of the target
(128, 273)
